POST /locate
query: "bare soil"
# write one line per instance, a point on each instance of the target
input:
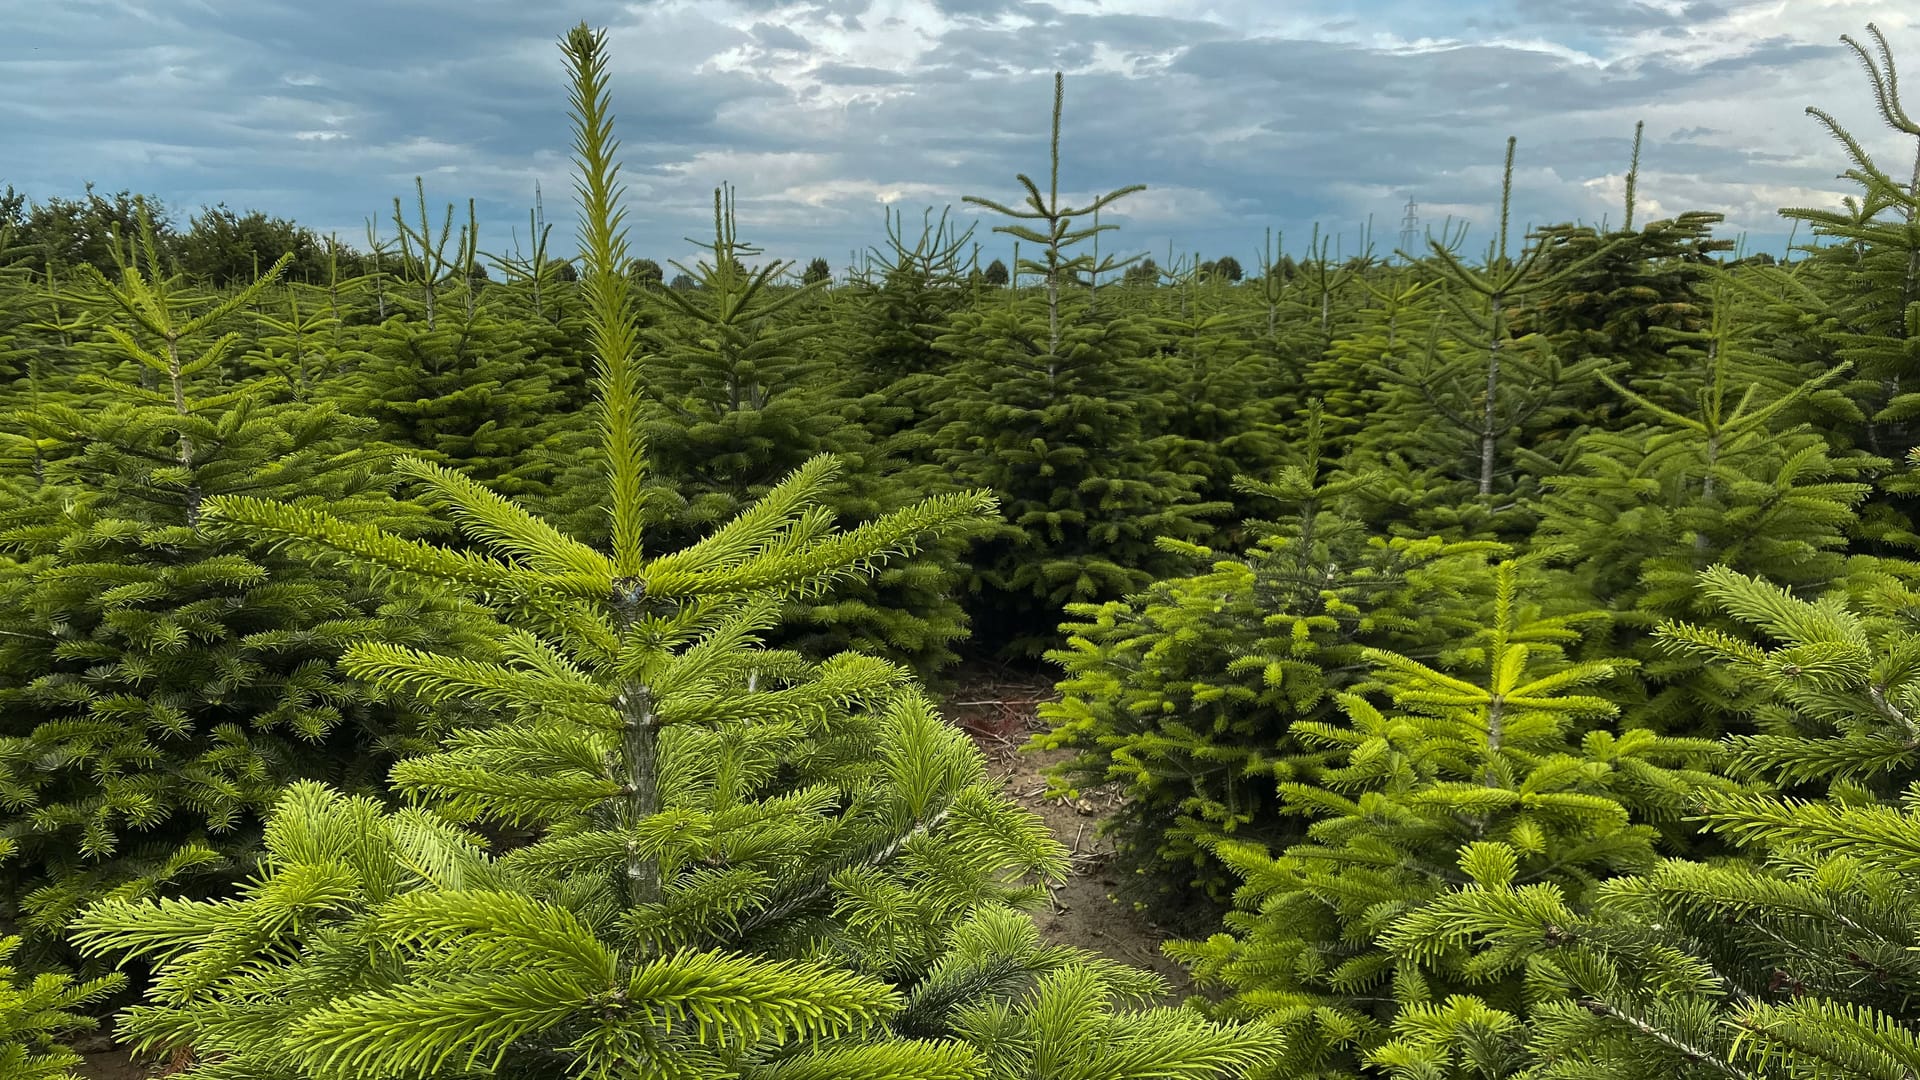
(999, 708)
(101, 1060)
(114, 1065)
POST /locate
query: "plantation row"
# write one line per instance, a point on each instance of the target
(1510, 661)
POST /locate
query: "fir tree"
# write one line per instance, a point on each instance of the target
(452, 376)
(1628, 288)
(17, 360)
(1875, 263)
(305, 349)
(1629, 292)
(1853, 303)
(741, 393)
(1145, 273)
(1352, 379)
(747, 865)
(1038, 407)
(161, 684)
(1497, 775)
(739, 402)
(1205, 396)
(1282, 344)
(35, 1014)
(1477, 389)
(1308, 301)
(1724, 482)
(1797, 962)
(538, 273)
(903, 313)
(52, 338)
(1185, 696)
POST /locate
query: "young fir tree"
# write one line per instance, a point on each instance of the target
(1798, 961)
(55, 339)
(748, 866)
(741, 393)
(1352, 377)
(1042, 405)
(560, 471)
(1185, 696)
(1626, 284)
(22, 367)
(303, 346)
(538, 291)
(541, 276)
(160, 684)
(1308, 302)
(1854, 301)
(1628, 291)
(1477, 391)
(16, 304)
(1712, 478)
(1401, 317)
(1492, 772)
(1630, 286)
(1871, 270)
(453, 375)
(739, 399)
(903, 308)
(37, 1013)
(1206, 393)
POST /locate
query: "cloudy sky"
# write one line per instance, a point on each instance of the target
(1239, 115)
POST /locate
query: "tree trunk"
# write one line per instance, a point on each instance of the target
(1490, 408)
(639, 746)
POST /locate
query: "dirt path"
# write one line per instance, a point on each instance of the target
(101, 1060)
(999, 709)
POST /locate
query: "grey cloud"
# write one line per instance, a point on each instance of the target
(1615, 17)
(845, 13)
(859, 75)
(1773, 53)
(325, 112)
(982, 9)
(775, 36)
(469, 95)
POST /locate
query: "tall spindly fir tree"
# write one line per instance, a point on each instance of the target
(744, 864)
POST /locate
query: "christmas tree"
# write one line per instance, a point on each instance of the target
(1796, 961)
(1041, 406)
(162, 683)
(746, 864)
(1491, 768)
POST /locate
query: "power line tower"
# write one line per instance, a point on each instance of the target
(1410, 227)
